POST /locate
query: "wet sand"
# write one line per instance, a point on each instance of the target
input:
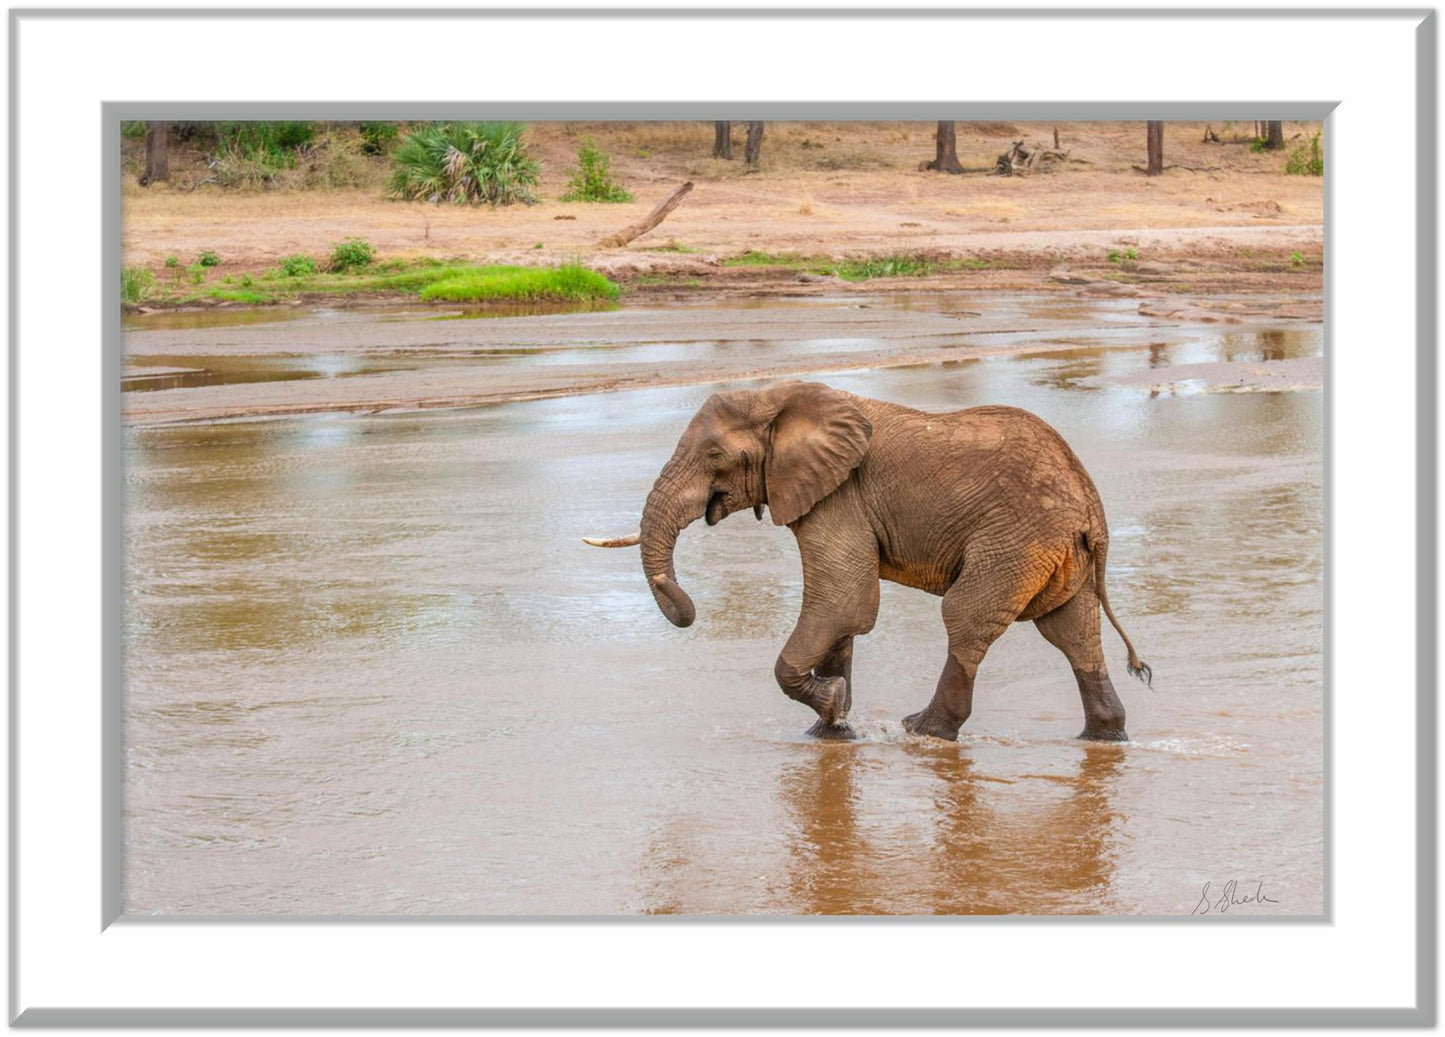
(372, 669)
(412, 359)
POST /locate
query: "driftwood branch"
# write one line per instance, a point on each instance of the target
(1020, 161)
(636, 230)
(1192, 169)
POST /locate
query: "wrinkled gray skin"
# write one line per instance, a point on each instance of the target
(987, 507)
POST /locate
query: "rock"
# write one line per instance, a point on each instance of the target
(807, 278)
(1063, 275)
(1152, 269)
(1111, 288)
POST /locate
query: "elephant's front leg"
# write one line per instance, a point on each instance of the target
(840, 600)
(837, 663)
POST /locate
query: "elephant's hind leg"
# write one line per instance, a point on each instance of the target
(976, 610)
(1073, 628)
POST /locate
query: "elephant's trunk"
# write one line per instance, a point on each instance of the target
(670, 508)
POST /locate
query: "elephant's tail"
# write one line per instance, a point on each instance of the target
(1137, 667)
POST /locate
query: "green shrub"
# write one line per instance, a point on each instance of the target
(591, 180)
(529, 284)
(351, 254)
(132, 130)
(173, 262)
(209, 258)
(197, 272)
(256, 139)
(135, 283)
(299, 266)
(377, 138)
(1306, 160)
(464, 162)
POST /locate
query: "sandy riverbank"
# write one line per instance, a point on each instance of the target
(1222, 218)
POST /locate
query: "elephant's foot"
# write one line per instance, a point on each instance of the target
(927, 722)
(1103, 733)
(842, 731)
(831, 700)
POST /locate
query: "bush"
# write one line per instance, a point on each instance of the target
(254, 153)
(591, 180)
(351, 254)
(299, 266)
(465, 162)
(209, 258)
(377, 138)
(264, 140)
(135, 283)
(1306, 160)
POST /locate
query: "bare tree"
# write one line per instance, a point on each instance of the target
(754, 146)
(1274, 136)
(1156, 148)
(158, 165)
(722, 140)
(946, 151)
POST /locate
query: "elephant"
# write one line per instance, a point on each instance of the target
(987, 507)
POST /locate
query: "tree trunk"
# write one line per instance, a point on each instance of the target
(635, 230)
(722, 140)
(1274, 138)
(157, 161)
(1156, 148)
(754, 145)
(945, 159)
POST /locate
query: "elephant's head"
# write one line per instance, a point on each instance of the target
(787, 446)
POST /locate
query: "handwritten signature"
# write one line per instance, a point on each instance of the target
(1233, 895)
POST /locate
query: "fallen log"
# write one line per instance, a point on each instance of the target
(636, 230)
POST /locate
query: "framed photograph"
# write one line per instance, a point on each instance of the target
(370, 664)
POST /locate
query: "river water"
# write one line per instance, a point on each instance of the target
(372, 669)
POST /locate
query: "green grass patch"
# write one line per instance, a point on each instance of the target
(527, 284)
(886, 266)
(427, 278)
(249, 298)
(752, 257)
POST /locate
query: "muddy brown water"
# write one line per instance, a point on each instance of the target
(372, 669)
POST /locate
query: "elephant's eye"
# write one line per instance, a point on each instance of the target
(715, 453)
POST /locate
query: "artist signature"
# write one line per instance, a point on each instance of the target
(1213, 901)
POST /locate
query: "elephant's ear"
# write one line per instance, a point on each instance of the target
(818, 437)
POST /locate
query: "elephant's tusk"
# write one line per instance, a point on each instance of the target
(627, 541)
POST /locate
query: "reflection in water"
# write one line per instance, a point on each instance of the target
(370, 668)
(965, 848)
